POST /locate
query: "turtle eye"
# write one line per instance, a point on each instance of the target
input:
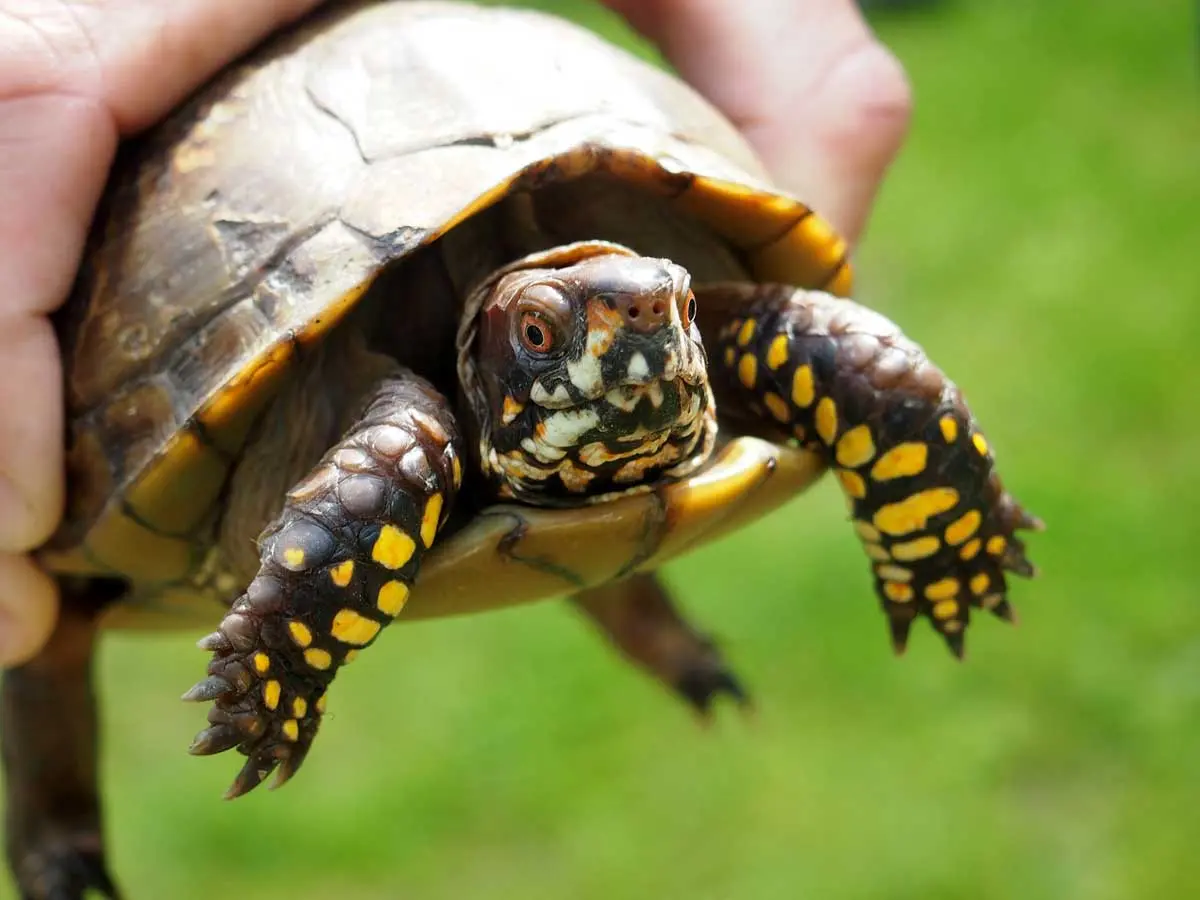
(687, 310)
(536, 333)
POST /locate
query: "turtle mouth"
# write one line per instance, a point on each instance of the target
(622, 441)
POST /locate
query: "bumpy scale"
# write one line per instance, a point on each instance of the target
(336, 567)
(919, 476)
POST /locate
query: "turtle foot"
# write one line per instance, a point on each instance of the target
(702, 686)
(64, 867)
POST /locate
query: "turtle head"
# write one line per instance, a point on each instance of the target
(591, 376)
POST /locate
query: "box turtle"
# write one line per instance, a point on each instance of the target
(402, 315)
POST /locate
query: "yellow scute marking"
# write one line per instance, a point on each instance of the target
(392, 597)
(291, 729)
(342, 573)
(827, 419)
(852, 483)
(262, 663)
(747, 369)
(803, 390)
(777, 353)
(300, 633)
(299, 707)
(944, 609)
(317, 658)
(294, 557)
(949, 427)
(271, 694)
(980, 443)
(746, 334)
(855, 447)
(777, 406)
(903, 459)
(920, 548)
(429, 522)
(963, 527)
(350, 627)
(393, 548)
(942, 590)
(912, 513)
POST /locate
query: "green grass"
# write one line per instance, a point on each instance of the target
(1040, 237)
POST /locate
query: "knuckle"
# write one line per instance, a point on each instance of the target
(49, 46)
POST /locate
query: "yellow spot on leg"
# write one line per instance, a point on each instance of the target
(901, 460)
(351, 656)
(393, 548)
(827, 419)
(456, 470)
(299, 707)
(855, 447)
(342, 573)
(912, 513)
(980, 443)
(945, 609)
(429, 522)
(291, 729)
(294, 557)
(971, 549)
(777, 353)
(300, 633)
(262, 663)
(392, 597)
(980, 583)
(318, 658)
(747, 369)
(350, 627)
(321, 703)
(852, 483)
(777, 406)
(867, 531)
(271, 694)
(949, 426)
(894, 573)
(897, 593)
(730, 357)
(920, 548)
(996, 545)
(803, 391)
(876, 552)
(942, 590)
(746, 334)
(963, 527)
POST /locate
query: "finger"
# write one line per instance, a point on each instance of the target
(824, 103)
(28, 608)
(141, 57)
(54, 153)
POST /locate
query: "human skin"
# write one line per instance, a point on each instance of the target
(822, 101)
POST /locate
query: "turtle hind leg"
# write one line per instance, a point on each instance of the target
(336, 567)
(48, 721)
(638, 617)
(916, 470)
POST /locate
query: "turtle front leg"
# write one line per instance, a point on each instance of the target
(53, 825)
(637, 616)
(918, 474)
(336, 566)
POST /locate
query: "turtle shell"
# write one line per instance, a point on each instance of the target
(246, 226)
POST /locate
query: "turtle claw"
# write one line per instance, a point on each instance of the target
(253, 773)
(956, 643)
(215, 739)
(210, 688)
(900, 627)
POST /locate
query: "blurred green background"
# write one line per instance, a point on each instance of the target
(1041, 237)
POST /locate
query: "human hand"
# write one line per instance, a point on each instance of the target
(74, 78)
(825, 105)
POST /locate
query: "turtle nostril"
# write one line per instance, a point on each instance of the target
(657, 308)
(634, 312)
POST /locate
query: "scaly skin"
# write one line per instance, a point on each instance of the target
(337, 566)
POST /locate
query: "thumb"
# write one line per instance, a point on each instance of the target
(823, 102)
